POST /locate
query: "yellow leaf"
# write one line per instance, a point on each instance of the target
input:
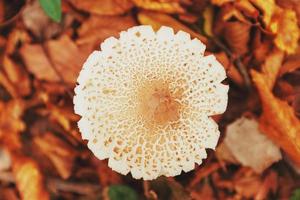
(208, 16)
(268, 7)
(284, 24)
(169, 6)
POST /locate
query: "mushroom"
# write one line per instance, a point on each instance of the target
(146, 101)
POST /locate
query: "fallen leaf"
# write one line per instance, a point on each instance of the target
(59, 152)
(244, 140)
(94, 30)
(278, 120)
(7, 84)
(237, 36)
(285, 26)
(291, 64)
(281, 22)
(16, 74)
(268, 7)
(37, 62)
(167, 6)
(11, 124)
(67, 57)
(29, 179)
(208, 16)
(156, 20)
(272, 65)
(103, 7)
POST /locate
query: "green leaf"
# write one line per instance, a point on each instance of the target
(121, 192)
(52, 8)
(295, 195)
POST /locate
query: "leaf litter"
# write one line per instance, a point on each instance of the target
(42, 155)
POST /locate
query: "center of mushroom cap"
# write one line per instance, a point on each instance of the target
(157, 103)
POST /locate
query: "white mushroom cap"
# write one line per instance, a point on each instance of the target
(146, 99)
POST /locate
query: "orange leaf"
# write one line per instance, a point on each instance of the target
(278, 120)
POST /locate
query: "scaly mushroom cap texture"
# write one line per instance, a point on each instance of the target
(145, 102)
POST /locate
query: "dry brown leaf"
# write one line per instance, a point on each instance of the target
(271, 66)
(278, 120)
(60, 153)
(37, 62)
(237, 36)
(260, 47)
(16, 74)
(29, 179)
(243, 139)
(103, 7)
(167, 6)
(67, 58)
(15, 37)
(10, 117)
(291, 63)
(156, 20)
(11, 123)
(97, 28)
(7, 84)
